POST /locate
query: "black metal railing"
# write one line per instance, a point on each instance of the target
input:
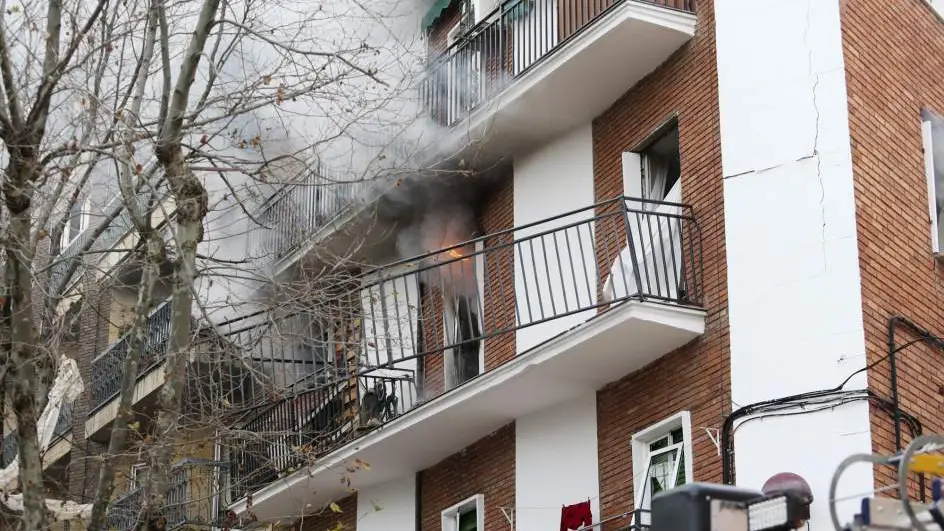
(294, 213)
(430, 319)
(62, 428)
(106, 368)
(506, 44)
(197, 495)
(282, 437)
(64, 422)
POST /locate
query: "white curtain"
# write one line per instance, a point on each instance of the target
(66, 387)
(657, 173)
(656, 244)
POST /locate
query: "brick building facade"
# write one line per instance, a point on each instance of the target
(769, 267)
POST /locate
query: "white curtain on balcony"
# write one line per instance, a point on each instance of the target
(656, 245)
(66, 387)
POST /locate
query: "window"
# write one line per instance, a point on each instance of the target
(466, 516)
(932, 133)
(653, 172)
(463, 320)
(139, 476)
(662, 458)
(77, 222)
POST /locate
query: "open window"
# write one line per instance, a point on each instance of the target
(662, 458)
(651, 265)
(932, 129)
(139, 476)
(468, 515)
(463, 320)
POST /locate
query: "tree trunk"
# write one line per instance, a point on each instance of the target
(191, 200)
(29, 370)
(153, 254)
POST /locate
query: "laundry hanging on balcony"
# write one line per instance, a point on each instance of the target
(576, 516)
(66, 388)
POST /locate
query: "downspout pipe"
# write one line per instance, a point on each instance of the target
(418, 501)
(922, 335)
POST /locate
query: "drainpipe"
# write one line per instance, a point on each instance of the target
(418, 501)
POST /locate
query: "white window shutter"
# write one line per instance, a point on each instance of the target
(632, 174)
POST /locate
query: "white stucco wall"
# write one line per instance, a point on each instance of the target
(386, 507)
(556, 463)
(793, 272)
(553, 180)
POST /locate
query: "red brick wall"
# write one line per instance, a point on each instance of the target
(696, 377)
(894, 56)
(328, 520)
(498, 215)
(486, 467)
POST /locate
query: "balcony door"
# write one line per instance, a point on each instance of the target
(651, 264)
(463, 322)
(461, 70)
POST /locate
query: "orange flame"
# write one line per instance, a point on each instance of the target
(454, 253)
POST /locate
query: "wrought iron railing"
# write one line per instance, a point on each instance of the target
(506, 44)
(106, 368)
(197, 496)
(64, 422)
(279, 438)
(293, 214)
(62, 428)
(420, 326)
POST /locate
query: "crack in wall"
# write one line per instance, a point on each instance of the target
(814, 152)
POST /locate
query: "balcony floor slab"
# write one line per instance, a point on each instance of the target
(599, 351)
(576, 83)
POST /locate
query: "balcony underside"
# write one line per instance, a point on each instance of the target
(572, 83)
(605, 348)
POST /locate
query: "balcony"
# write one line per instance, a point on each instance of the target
(214, 374)
(59, 446)
(434, 352)
(193, 498)
(504, 74)
(107, 371)
(304, 214)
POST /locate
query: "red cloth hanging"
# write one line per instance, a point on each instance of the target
(576, 516)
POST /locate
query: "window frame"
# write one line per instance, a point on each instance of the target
(642, 455)
(450, 516)
(84, 206)
(450, 320)
(136, 470)
(927, 144)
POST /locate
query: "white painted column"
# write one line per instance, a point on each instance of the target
(555, 273)
(794, 291)
(556, 463)
(388, 506)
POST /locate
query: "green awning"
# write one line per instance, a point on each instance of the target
(434, 12)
